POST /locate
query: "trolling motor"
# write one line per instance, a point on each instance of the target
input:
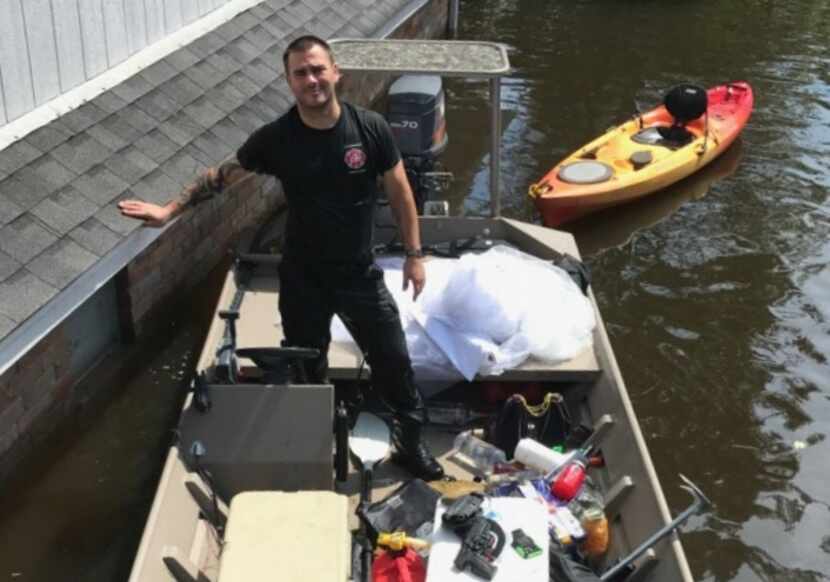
(416, 108)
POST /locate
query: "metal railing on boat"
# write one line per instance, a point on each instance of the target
(468, 59)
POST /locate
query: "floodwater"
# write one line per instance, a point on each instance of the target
(715, 292)
(75, 512)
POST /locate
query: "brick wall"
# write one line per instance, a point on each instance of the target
(430, 22)
(34, 397)
(192, 246)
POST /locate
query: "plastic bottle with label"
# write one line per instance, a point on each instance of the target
(597, 536)
(477, 452)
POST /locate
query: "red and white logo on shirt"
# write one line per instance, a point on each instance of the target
(355, 158)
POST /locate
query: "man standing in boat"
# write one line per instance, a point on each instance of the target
(328, 155)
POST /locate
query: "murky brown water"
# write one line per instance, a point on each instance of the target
(76, 511)
(716, 292)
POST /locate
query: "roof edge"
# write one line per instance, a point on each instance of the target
(400, 17)
(29, 333)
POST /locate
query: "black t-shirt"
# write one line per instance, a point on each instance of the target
(329, 177)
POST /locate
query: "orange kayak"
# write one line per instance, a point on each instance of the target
(641, 156)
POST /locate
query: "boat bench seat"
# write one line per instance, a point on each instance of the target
(291, 537)
(261, 325)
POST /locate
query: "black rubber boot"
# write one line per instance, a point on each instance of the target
(412, 453)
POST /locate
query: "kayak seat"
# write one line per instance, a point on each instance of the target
(675, 137)
(685, 103)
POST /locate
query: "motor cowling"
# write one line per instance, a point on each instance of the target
(416, 115)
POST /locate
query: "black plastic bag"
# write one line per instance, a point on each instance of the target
(409, 508)
(576, 269)
(565, 569)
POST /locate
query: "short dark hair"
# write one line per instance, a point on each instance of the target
(302, 44)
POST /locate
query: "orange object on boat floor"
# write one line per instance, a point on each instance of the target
(641, 156)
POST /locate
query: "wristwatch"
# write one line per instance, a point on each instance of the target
(414, 253)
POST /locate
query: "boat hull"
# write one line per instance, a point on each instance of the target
(628, 179)
(177, 536)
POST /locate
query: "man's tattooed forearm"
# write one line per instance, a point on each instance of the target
(211, 182)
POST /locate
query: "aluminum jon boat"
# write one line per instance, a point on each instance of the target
(244, 429)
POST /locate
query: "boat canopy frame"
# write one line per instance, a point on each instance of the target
(446, 58)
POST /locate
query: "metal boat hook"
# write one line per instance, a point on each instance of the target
(701, 504)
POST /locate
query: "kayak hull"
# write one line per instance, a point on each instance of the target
(628, 178)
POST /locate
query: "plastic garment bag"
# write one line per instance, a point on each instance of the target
(521, 303)
(486, 313)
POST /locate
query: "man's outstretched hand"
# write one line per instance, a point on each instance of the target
(152, 214)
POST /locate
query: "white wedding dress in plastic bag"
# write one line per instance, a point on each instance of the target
(486, 313)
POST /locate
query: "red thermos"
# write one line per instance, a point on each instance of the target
(570, 479)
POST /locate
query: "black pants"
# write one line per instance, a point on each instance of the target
(309, 297)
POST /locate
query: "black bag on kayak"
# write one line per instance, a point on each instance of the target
(686, 103)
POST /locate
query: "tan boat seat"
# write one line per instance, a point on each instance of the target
(291, 537)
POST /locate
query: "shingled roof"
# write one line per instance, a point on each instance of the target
(145, 138)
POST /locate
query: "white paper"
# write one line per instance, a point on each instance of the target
(510, 513)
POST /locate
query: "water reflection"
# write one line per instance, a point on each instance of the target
(77, 512)
(80, 516)
(617, 226)
(717, 304)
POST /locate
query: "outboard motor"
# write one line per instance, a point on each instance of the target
(685, 103)
(416, 115)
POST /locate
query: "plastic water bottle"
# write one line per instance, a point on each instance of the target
(479, 453)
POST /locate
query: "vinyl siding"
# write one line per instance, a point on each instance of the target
(69, 42)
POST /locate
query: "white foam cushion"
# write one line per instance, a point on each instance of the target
(290, 537)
